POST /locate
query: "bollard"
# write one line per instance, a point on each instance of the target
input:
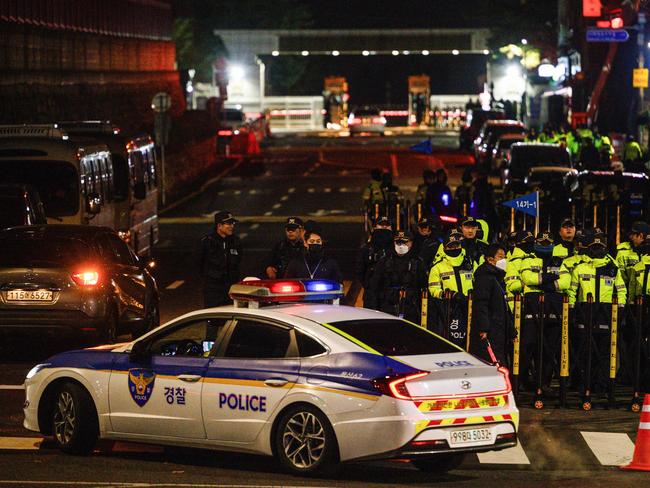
(586, 397)
(636, 404)
(538, 403)
(613, 339)
(515, 346)
(564, 351)
(469, 320)
(376, 212)
(419, 211)
(424, 310)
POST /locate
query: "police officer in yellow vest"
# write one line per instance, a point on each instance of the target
(374, 193)
(639, 287)
(540, 275)
(597, 277)
(450, 281)
(565, 246)
(627, 254)
(524, 245)
(632, 153)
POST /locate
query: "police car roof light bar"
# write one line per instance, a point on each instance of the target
(278, 291)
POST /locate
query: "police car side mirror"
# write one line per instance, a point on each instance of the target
(140, 353)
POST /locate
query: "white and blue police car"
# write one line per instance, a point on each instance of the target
(286, 372)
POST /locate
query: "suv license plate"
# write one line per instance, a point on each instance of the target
(470, 436)
(29, 296)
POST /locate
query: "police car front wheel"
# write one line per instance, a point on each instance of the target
(305, 442)
(74, 420)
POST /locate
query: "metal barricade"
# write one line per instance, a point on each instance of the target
(516, 344)
(637, 401)
(613, 344)
(538, 402)
(564, 352)
(424, 310)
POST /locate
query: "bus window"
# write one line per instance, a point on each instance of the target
(120, 177)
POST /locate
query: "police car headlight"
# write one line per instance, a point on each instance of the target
(34, 371)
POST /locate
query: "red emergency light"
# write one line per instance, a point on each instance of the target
(603, 24)
(617, 22)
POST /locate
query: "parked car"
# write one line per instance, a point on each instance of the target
(501, 150)
(527, 155)
(490, 133)
(366, 119)
(475, 120)
(76, 280)
(20, 205)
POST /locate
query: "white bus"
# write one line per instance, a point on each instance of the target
(135, 181)
(74, 177)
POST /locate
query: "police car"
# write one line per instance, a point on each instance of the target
(286, 372)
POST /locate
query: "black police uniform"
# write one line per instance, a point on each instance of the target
(316, 266)
(397, 285)
(369, 255)
(285, 250)
(219, 262)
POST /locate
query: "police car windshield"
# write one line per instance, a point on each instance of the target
(395, 337)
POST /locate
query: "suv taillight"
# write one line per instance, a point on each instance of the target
(395, 386)
(86, 277)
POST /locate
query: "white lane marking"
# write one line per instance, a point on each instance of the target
(174, 284)
(12, 387)
(254, 226)
(291, 190)
(237, 192)
(611, 449)
(252, 191)
(21, 443)
(284, 198)
(221, 192)
(243, 235)
(343, 189)
(277, 206)
(327, 190)
(268, 213)
(512, 455)
(311, 190)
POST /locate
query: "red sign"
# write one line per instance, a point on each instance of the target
(591, 8)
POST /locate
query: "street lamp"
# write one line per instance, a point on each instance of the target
(335, 53)
(425, 52)
(455, 52)
(236, 72)
(305, 53)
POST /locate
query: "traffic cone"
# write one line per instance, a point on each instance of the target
(641, 458)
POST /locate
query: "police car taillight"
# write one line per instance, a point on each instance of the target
(395, 386)
(256, 291)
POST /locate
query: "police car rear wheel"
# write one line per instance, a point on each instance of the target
(305, 442)
(74, 420)
(439, 464)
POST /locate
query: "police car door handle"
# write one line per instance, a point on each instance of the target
(190, 378)
(276, 382)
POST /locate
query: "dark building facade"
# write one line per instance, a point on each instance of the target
(86, 59)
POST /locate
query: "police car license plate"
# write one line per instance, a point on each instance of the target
(29, 296)
(470, 436)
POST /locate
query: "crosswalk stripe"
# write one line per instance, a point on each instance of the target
(611, 449)
(512, 455)
(21, 443)
(175, 284)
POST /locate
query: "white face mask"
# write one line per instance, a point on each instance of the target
(501, 264)
(401, 249)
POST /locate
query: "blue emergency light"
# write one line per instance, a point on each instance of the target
(278, 291)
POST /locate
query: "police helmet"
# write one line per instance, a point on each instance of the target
(454, 237)
(523, 236)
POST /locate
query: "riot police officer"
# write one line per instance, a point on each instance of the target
(378, 247)
(474, 248)
(594, 283)
(524, 245)
(450, 282)
(288, 248)
(566, 246)
(640, 288)
(398, 280)
(220, 257)
(627, 254)
(540, 275)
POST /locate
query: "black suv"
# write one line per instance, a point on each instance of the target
(81, 280)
